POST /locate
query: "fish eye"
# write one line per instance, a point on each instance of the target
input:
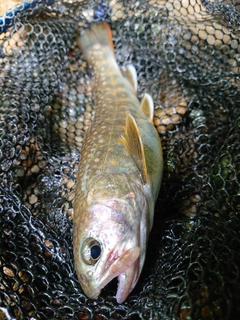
(95, 251)
(91, 251)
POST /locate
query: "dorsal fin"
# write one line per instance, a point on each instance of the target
(133, 143)
(147, 106)
(131, 74)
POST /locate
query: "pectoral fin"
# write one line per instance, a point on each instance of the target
(131, 74)
(147, 106)
(133, 143)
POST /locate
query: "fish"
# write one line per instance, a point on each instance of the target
(119, 174)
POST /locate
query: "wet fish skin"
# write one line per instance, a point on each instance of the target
(119, 175)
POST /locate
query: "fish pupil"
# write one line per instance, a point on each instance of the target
(95, 252)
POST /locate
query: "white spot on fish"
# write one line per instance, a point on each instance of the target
(85, 178)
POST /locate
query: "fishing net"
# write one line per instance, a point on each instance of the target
(187, 56)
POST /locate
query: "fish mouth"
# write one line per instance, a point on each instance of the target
(125, 267)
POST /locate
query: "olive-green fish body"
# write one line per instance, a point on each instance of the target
(119, 175)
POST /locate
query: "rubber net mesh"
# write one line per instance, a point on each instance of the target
(187, 56)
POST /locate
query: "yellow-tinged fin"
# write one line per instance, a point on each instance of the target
(100, 33)
(131, 74)
(147, 106)
(133, 143)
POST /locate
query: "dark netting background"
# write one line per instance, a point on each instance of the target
(187, 56)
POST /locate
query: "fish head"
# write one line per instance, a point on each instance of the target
(110, 242)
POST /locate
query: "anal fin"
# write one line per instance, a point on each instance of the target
(133, 143)
(131, 74)
(147, 106)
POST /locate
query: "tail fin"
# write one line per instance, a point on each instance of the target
(100, 33)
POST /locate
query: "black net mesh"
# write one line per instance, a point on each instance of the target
(187, 56)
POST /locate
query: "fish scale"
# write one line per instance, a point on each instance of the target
(118, 178)
(102, 140)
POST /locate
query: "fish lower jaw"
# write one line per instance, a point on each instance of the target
(124, 290)
(126, 269)
(126, 283)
